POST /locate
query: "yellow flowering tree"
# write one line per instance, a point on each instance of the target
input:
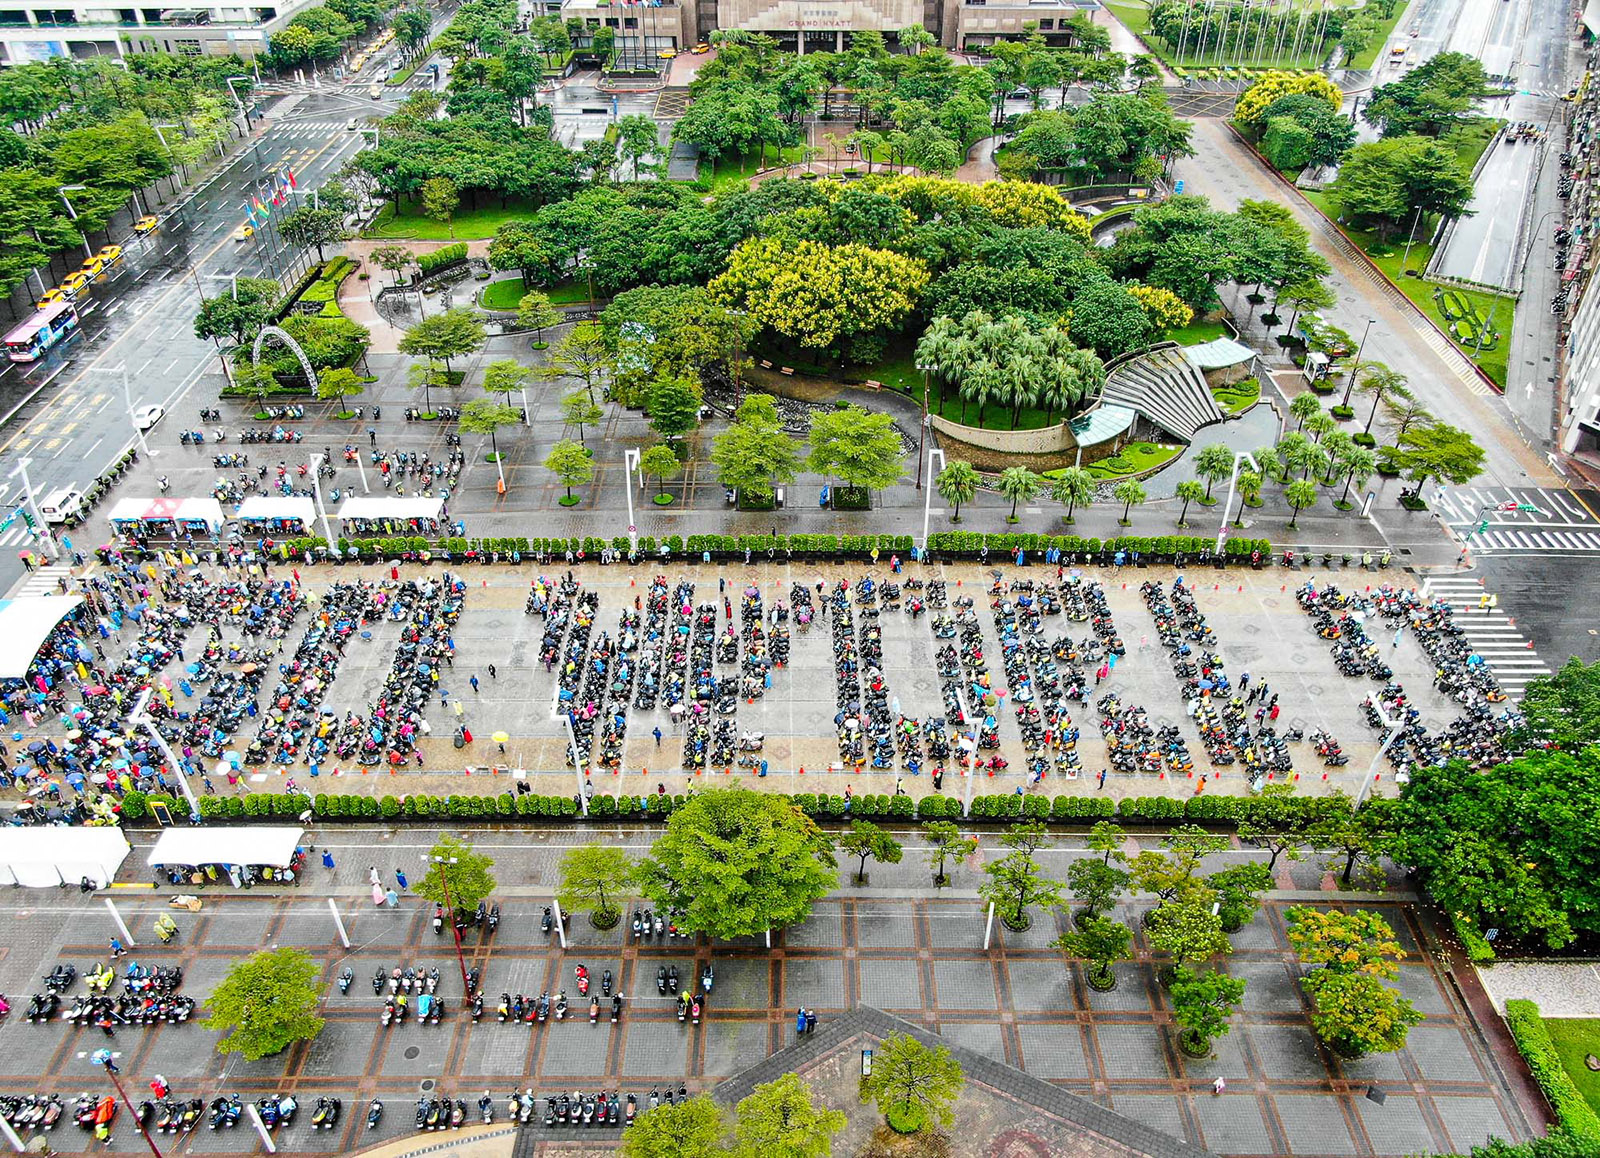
(1165, 309)
(1253, 102)
(1025, 204)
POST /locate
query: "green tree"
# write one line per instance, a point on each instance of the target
(592, 877)
(1096, 884)
(638, 136)
(1201, 1005)
(1018, 483)
(660, 463)
(577, 410)
(239, 318)
(1238, 889)
(865, 839)
(394, 258)
(1354, 942)
(1187, 930)
(780, 1119)
(571, 465)
(957, 483)
(441, 337)
(1561, 710)
(453, 865)
(504, 375)
(536, 312)
(1107, 838)
(1073, 485)
(755, 453)
(522, 246)
(1429, 99)
(686, 1129)
(674, 403)
(1383, 183)
(1357, 1014)
(583, 355)
(858, 447)
(1303, 406)
(338, 384)
(308, 227)
(1358, 464)
(1250, 483)
(914, 1085)
(1299, 494)
(1189, 491)
(1439, 451)
(1512, 847)
(1100, 941)
(266, 1003)
(1277, 826)
(1130, 494)
(440, 198)
(1171, 875)
(945, 842)
(736, 863)
(1016, 881)
(486, 416)
(256, 378)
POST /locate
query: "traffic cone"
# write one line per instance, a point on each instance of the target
(1163, 775)
(802, 770)
(1241, 589)
(1269, 777)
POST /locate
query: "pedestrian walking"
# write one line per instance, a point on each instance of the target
(116, 949)
(1219, 1085)
(657, 733)
(1244, 683)
(392, 899)
(473, 680)
(327, 859)
(491, 672)
(811, 1021)
(400, 878)
(372, 875)
(1102, 783)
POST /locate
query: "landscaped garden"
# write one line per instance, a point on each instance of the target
(508, 292)
(1237, 397)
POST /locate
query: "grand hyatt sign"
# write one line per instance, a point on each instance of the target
(881, 15)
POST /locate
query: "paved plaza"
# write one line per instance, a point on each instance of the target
(1258, 628)
(892, 945)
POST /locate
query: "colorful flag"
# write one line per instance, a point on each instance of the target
(260, 208)
(277, 195)
(250, 212)
(288, 175)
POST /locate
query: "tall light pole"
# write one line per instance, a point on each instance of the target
(1233, 479)
(243, 112)
(630, 461)
(121, 368)
(455, 926)
(922, 426)
(62, 191)
(1356, 365)
(42, 536)
(107, 1059)
(927, 498)
(141, 719)
(1395, 726)
(163, 138)
(316, 489)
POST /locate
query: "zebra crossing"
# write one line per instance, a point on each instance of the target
(310, 128)
(1489, 631)
(43, 581)
(1522, 520)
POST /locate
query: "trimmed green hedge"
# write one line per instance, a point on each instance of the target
(439, 258)
(1533, 1041)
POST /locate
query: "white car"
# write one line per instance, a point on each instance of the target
(147, 416)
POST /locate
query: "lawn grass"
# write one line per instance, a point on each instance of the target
(1136, 16)
(1196, 332)
(733, 171)
(409, 223)
(1387, 256)
(1574, 1037)
(1471, 138)
(506, 294)
(1134, 458)
(1368, 56)
(1237, 397)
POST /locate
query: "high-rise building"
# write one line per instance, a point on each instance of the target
(29, 33)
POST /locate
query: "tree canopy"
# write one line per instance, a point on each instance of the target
(266, 1003)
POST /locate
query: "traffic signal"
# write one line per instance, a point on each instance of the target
(27, 518)
(1483, 525)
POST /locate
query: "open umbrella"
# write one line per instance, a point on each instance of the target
(500, 737)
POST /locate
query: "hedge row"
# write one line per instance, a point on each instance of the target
(1533, 1042)
(439, 258)
(1222, 810)
(948, 545)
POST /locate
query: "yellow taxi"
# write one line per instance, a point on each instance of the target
(110, 254)
(701, 49)
(92, 266)
(74, 282)
(244, 233)
(146, 225)
(50, 297)
(667, 53)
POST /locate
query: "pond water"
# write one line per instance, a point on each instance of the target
(1258, 426)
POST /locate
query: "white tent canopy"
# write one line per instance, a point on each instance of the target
(43, 858)
(243, 846)
(279, 508)
(376, 508)
(24, 626)
(190, 510)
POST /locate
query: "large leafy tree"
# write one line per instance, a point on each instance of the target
(866, 840)
(1514, 847)
(686, 1129)
(571, 465)
(238, 318)
(1438, 451)
(1102, 942)
(1187, 930)
(1562, 710)
(674, 405)
(1429, 99)
(755, 453)
(945, 843)
(454, 867)
(1382, 184)
(1356, 1013)
(1254, 102)
(860, 448)
(441, 337)
(736, 863)
(266, 1003)
(593, 876)
(780, 1119)
(313, 227)
(1201, 1005)
(1017, 881)
(914, 1084)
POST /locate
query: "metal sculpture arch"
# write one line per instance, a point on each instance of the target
(294, 348)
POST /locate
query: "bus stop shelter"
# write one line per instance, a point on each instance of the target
(44, 858)
(24, 626)
(167, 518)
(278, 516)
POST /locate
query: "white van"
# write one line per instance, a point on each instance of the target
(61, 505)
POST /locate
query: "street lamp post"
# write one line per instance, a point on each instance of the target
(455, 926)
(630, 462)
(316, 489)
(63, 190)
(1395, 726)
(42, 536)
(234, 93)
(141, 719)
(1233, 479)
(1355, 366)
(927, 498)
(922, 426)
(163, 138)
(106, 1059)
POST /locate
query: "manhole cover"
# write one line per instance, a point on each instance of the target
(411, 1052)
(426, 1085)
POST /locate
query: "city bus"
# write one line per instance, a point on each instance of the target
(46, 329)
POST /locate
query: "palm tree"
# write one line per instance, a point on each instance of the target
(957, 483)
(1358, 463)
(1249, 484)
(1074, 486)
(1129, 493)
(1213, 462)
(982, 385)
(1017, 483)
(1268, 464)
(934, 351)
(1338, 444)
(1319, 425)
(1300, 494)
(1316, 461)
(1303, 407)
(1383, 384)
(1295, 453)
(1189, 490)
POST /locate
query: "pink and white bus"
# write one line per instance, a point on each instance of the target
(43, 331)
